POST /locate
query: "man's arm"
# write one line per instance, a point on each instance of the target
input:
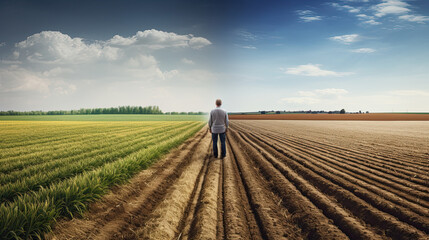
(226, 121)
(210, 122)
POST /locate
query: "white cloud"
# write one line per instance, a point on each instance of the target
(155, 39)
(187, 61)
(308, 16)
(314, 70)
(2, 44)
(363, 50)
(372, 22)
(49, 64)
(346, 7)
(246, 46)
(391, 7)
(56, 47)
(364, 16)
(415, 18)
(346, 39)
(410, 93)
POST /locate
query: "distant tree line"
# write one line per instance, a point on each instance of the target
(82, 111)
(112, 110)
(342, 111)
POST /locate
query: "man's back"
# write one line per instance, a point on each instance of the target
(218, 120)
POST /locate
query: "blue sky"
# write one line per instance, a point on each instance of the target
(182, 55)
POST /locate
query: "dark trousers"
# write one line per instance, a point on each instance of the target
(222, 144)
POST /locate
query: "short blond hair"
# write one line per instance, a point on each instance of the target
(218, 102)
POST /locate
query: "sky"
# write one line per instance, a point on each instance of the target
(369, 55)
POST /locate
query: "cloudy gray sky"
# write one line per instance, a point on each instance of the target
(182, 55)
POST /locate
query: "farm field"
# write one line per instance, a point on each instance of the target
(324, 116)
(105, 117)
(53, 169)
(280, 180)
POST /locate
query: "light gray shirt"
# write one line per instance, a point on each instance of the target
(218, 121)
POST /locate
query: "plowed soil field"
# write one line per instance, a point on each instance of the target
(325, 116)
(280, 180)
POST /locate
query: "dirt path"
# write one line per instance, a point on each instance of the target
(271, 185)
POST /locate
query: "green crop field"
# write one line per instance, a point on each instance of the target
(106, 117)
(53, 166)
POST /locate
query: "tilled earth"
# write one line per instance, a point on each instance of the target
(280, 180)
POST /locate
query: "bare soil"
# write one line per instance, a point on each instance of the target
(325, 116)
(280, 180)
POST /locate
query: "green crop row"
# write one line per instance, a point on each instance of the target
(46, 176)
(59, 131)
(50, 146)
(31, 214)
(75, 149)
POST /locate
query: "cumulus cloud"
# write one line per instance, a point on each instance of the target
(314, 70)
(56, 47)
(53, 63)
(391, 7)
(346, 39)
(415, 18)
(155, 39)
(363, 50)
(346, 7)
(308, 16)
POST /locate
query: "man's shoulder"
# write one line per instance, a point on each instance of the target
(218, 110)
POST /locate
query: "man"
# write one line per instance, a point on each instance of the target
(218, 125)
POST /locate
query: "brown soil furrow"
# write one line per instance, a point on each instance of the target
(349, 224)
(220, 234)
(164, 221)
(389, 161)
(358, 187)
(382, 180)
(239, 222)
(204, 224)
(349, 200)
(409, 172)
(184, 228)
(123, 205)
(412, 177)
(308, 217)
(398, 189)
(424, 166)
